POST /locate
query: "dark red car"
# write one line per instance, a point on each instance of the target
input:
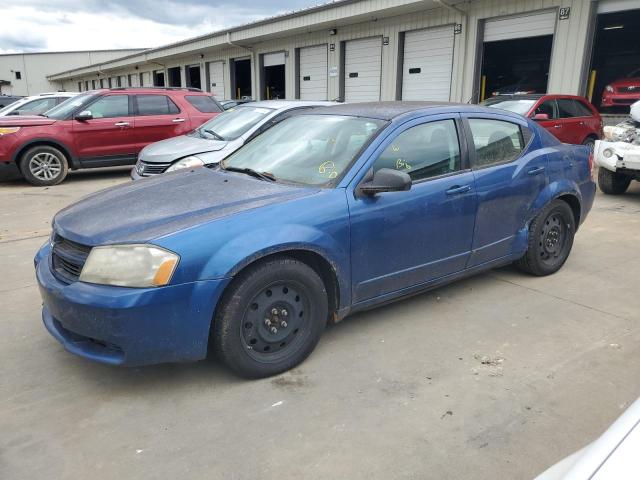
(623, 91)
(100, 128)
(570, 118)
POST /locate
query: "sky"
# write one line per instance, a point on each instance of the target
(59, 25)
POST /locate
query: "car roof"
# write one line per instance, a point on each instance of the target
(391, 110)
(536, 96)
(286, 104)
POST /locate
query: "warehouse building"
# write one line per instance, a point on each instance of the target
(368, 50)
(26, 73)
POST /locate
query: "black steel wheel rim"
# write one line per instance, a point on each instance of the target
(276, 321)
(553, 239)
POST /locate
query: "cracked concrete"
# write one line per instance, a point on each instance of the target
(389, 393)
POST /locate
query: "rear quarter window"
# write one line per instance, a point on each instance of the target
(203, 103)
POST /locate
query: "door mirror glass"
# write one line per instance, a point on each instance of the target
(84, 115)
(541, 116)
(385, 180)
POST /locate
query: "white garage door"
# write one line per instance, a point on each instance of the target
(363, 66)
(271, 59)
(216, 79)
(428, 59)
(133, 80)
(521, 26)
(145, 79)
(313, 73)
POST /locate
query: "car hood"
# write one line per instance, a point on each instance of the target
(25, 121)
(174, 148)
(147, 209)
(627, 82)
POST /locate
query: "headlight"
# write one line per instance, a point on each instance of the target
(8, 130)
(607, 153)
(186, 162)
(609, 88)
(129, 266)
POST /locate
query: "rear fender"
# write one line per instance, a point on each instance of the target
(551, 192)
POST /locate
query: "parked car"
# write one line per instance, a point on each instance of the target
(613, 456)
(36, 104)
(325, 214)
(99, 128)
(618, 156)
(623, 91)
(216, 139)
(8, 99)
(524, 86)
(570, 118)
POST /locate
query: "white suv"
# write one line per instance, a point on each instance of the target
(36, 104)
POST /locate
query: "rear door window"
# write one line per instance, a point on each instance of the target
(495, 141)
(581, 109)
(203, 103)
(155, 105)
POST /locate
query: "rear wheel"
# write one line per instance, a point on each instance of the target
(550, 240)
(589, 142)
(44, 166)
(271, 318)
(612, 183)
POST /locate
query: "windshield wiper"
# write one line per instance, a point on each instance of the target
(250, 171)
(215, 135)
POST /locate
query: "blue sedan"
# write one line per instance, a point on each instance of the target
(327, 213)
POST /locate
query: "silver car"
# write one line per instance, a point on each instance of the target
(216, 139)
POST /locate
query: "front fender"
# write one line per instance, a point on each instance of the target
(256, 244)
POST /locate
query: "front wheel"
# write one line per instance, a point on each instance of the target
(612, 183)
(550, 240)
(271, 318)
(44, 166)
(589, 142)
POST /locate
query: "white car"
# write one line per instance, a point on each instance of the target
(613, 456)
(218, 138)
(618, 156)
(36, 104)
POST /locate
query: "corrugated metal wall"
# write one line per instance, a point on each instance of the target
(376, 18)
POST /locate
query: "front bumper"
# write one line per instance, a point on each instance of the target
(613, 99)
(625, 156)
(128, 326)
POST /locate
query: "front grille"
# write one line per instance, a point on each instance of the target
(629, 89)
(625, 101)
(68, 258)
(146, 169)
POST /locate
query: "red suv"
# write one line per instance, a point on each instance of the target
(100, 128)
(570, 118)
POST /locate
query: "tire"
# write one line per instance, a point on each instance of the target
(44, 166)
(271, 317)
(589, 142)
(551, 236)
(612, 183)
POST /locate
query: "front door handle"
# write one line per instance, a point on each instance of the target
(457, 189)
(122, 124)
(535, 170)
(557, 126)
(178, 120)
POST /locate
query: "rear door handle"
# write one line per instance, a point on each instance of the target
(122, 124)
(535, 170)
(178, 120)
(456, 190)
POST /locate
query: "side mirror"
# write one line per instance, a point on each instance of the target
(84, 116)
(385, 180)
(541, 116)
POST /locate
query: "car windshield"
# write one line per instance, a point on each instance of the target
(306, 149)
(521, 106)
(233, 123)
(62, 111)
(634, 74)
